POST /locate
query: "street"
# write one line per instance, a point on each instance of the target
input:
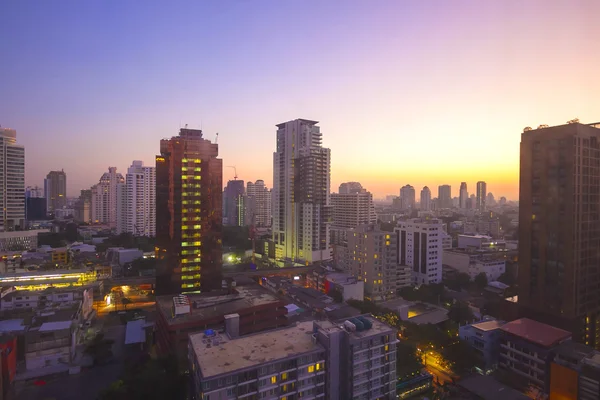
(440, 374)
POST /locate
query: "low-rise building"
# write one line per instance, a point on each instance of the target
(526, 350)
(326, 280)
(20, 240)
(479, 242)
(49, 344)
(257, 308)
(484, 337)
(492, 264)
(49, 298)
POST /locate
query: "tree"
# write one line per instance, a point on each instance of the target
(460, 356)
(481, 280)
(100, 349)
(460, 313)
(507, 278)
(458, 281)
(407, 361)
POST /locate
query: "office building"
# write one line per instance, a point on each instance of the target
(301, 203)
(420, 247)
(83, 207)
(481, 196)
(35, 204)
(463, 196)
(189, 226)
(373, 257)
(484, 337)
(351, 188)
(407, 198)
(234, 203)
(55, 188)
(12, 181)
(353, 359)
(444, 196)
(353, 209)
(258, 204)
(559, 228)
(106, 198)
(425, 199)
(139, 201)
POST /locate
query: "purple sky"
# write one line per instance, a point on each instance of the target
(418, 92)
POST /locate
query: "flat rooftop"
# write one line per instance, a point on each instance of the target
(235, 354)
(205, 307)
(536, 332)
(378, 327)
(488, 325)
(490, 389)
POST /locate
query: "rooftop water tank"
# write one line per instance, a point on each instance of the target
(368, 324)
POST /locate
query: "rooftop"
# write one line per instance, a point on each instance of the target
(205, 307)
(231, 355)
(536, 332)
(490, 389)
(488, 325)
(377, 327)
(55, 326)
(12, 325)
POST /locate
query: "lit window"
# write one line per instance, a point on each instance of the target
(273, 379)
(284, 376)
(311, 368)
(319, 366)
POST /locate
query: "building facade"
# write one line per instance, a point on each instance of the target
(425, 199)
(350, 188)
(559, 228)
(353, 209)
(55, 188)
(234, 203)
(189, 226)
(301, 202)
(463, 196)
(83, 207)
(12, 181)
(481, 197)
(140, 200)
(444, 196)
(258, 204)
(106, 201)
(420, 247)
(407, 198)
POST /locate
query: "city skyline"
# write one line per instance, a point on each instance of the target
(455, 82)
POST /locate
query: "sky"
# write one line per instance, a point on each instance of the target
(406, 92)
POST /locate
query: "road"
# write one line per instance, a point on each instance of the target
(440, 374)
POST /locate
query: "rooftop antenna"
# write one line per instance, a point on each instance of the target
(186, 126)
(235, 171)
(216, 137)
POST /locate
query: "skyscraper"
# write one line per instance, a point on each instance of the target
(189, 226)
(407, 198)
(420, 247)
(425, 199)
(444, 196)
(12, 181)
(353, 209)
(140, 200)
(258, 204)
(481, 196)
(463, 196)
(83, 207)
(55, 188)
(106, 198)
(234, 202)
(301, 181)
(559, 228)
(35, 203)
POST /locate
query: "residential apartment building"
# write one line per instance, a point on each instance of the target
(301, 202)
(473, 263)
(234, 203)
(55, 189)
(484, 337)
(425, 199)
(559, 228)
(258, 204)
(444, 197)
(373, 258)
(419, 244)
(12, 181)
(83, 207)
(189, 225)
(350, 188)
(106, 199)
(353, 209)
(311, 360)
(407, 198)
(139, 201)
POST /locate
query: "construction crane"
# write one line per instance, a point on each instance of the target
(234, 170)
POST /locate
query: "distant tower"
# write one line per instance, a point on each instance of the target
(55, 189)
(481, 195)
(444, 196)
(425, 199)
(463, 196)
(12, 181)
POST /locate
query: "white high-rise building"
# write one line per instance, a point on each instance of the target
(138, 203)
(12, 181)
(420, 246)
(105, 198)
(258, 204)
(425, 199)
(353, 209)
(301, 181)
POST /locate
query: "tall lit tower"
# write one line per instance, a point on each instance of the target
(55, 188)
(12, 181)
(189, 226)
(301, 181)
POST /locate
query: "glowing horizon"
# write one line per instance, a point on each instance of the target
(420, 93)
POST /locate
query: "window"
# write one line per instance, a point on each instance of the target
(273, 379)
(284, 376)
(311, 368)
